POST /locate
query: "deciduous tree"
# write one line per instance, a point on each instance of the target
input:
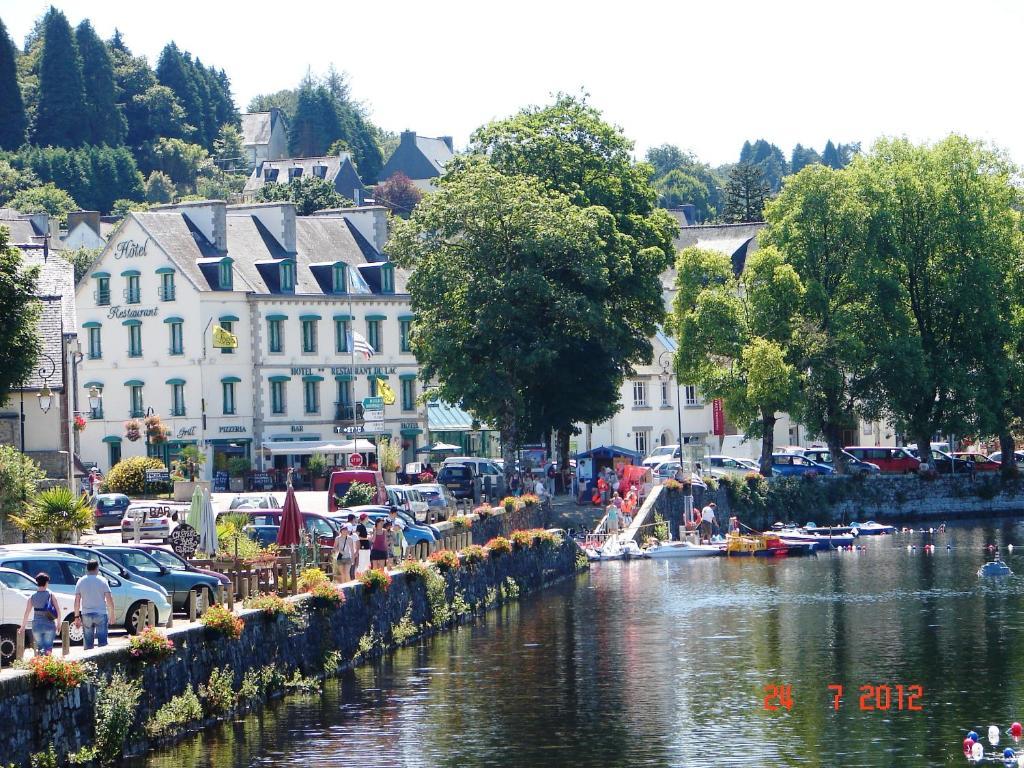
(309, 194)
(45, 199)
(19, 340)
(398, 193)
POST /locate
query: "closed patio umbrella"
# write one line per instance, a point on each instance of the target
(291, 520)
(207, 527)
(195, 508)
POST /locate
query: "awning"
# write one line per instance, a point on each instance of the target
(442, 417)
(301, 447)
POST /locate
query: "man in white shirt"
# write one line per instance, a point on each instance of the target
(539, 489)
(94, 606)
(707, 521)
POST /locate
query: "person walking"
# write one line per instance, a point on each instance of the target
(379, 545)
(396, 539)
(551, 473)
(42, 607)
(94, 606)
(345, 552)
(707, 521)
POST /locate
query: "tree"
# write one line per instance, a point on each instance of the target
(819, 224)
(665, 159)
(733, 334)
(82, 259)
(14, 123)
(157, 114)
(45, 199)
(769, 159)
(174, 72)
(315, 124)
(229, 150)
(61, 104)
(309, 194)
(570, 149)
(398, 193)
(19, 341)
(105, 122)
(679, 188)
(487, 250)
(13, 180)
(56, 514)
(159, 188)
(180, 160)
(802, 157)
(19, 478)
(746, 193)
(942, 237)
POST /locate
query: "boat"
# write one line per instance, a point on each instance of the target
(612, 549)
(994, 569)
(683, 549)
(763, 545)
(828, 530)
(871, 528)
(818, 542)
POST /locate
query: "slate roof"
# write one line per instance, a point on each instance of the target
(339, 170)
(51, 329)
(22, 229)
(418, 157)
(736, 240)
(256, 128)
(56, 281)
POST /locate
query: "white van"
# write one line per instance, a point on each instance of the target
(660, 455)
(478, 465)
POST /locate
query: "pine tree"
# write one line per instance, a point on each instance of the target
(207, 128)
(12, 109)
(61, 109)
(830, 156)
(174, 72)
(802, 157)
(746, 192)
(104, 120)
(315, 125)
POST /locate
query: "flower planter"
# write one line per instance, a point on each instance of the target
(183, 489)
(390, 478)
(236, 484)
(319, 483)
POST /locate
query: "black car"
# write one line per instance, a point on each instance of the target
(108, 509)
(944, 463)
(457, 478)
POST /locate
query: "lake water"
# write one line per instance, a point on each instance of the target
(665, 664)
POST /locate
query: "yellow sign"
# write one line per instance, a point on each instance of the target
(223, 339)
(386, 392)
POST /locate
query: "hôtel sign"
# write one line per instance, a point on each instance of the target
(129, 249)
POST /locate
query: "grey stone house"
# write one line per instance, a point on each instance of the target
(421, 158)
(338, 170)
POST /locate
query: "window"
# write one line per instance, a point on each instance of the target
(274, 341)
(95, 344)
(277, 401)
(287, 276)
(135, 340)
(102, 291)
(665, 402)
(338, 278)
(408, 394)
(177, 347)
(309, 336)
(227, 389)
(373, 386)
(177, 399)
(341, 335)
(343, 411)
(224, 275)
(167, 286)
(135, 392)
(311, 396)
(640, 395)
(404, 327)
(229, 326)
(690, 395)
(387, 279)
(373, 335)
(643, 440)
(131, 294)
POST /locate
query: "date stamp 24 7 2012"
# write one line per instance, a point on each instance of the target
(870, 697)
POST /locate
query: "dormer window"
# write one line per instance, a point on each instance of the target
(287, 276)
(387, 278)
(294, 172)
(338, 278)
(270, 174)
(224, 276)
(320, 171)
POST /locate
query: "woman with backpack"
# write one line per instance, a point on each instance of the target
(42, 607)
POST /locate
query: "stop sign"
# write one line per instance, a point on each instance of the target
(355, 460)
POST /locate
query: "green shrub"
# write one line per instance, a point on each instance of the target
(218, 695)
(55, 515)
(405, 629)
(358, 494)
(116, 701)
(128, 476)
(414, 569)
(179, 711)
(474, 554)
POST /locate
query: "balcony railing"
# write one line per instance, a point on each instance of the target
(165, 292)
(348, 412)
(137, 413)
(178, 411)
(102, 298)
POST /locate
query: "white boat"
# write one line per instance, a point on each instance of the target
(871, 528)
(683, 549)
(613, 549)
(818, 541)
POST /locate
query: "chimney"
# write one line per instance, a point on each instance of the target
(208, 216)
(371, 221)
(451, 145)
(408, 137)
(90, 218)
(278, 218)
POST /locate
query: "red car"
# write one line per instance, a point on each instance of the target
(343, 479)
(890, 460)
(978, 462)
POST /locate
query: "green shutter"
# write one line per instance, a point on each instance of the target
(173, 320)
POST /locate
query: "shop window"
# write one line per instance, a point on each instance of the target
(643, 441)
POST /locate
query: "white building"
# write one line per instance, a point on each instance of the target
(289, 288)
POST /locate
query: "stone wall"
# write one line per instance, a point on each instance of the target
(31, 718)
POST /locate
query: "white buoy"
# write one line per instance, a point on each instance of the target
(977, 751)
(993, 735)
(1020, 761)
(1009, 547)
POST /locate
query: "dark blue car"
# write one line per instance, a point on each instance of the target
(787, 464)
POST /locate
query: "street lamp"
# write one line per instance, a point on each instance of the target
(667, 363)
(45, 398)
(95, 399)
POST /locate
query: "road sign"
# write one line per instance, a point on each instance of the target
(355, 460)
(158, 476)
(373, 415)
(373, 403)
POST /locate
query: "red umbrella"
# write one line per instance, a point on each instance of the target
(291, 520)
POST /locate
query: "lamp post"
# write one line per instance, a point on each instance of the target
(666, 361)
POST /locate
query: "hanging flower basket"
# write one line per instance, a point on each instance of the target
(132, 430)
(79, 423)
(155, 429)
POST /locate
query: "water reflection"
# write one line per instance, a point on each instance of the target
(665, 663)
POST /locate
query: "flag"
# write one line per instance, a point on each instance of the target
(358, 343)
(385, 392)
(223, 339)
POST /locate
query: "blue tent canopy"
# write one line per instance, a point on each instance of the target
(609, 452)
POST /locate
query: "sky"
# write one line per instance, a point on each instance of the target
(705, 76)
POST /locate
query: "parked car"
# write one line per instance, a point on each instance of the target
(131, 600)
(15, 590)
(480, 465)
(660, 455)
(157, 521)
(109, 509)
(254, 501)
(943, 462)
(414, 532)
(853, 464)
(264, 535)
(978, 462)
(177, 583)
(1018, 457)
(169, 559)
(410, 500)
(786, 464)
(343, 479)
(458, 479)
(667, 470)
(439, 499)
(323, 527)
(717, 466)
(889, 459)
(89, 553)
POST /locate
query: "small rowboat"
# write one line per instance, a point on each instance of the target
(683, 549)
